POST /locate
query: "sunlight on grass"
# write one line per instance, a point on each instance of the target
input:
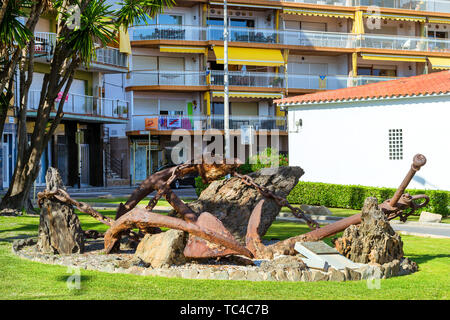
(23, 279)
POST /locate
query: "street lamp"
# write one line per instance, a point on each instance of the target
(226, 106)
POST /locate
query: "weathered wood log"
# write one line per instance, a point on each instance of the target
(59, 227)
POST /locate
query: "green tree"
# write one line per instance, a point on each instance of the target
(75, 47)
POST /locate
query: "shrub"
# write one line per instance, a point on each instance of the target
(352, 196)
(267, 158)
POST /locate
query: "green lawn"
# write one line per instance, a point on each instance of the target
(23, 279)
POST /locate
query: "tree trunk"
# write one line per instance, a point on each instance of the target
(17, 197)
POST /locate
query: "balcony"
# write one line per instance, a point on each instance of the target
(76, 106)
(268, 80)
(109, 58)
(167, 78)
(167, 123)
(399, 43)
(249, 79)
(330, 82)
(415, 5)
(247, 35)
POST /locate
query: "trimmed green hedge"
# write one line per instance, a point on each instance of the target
(352, 197)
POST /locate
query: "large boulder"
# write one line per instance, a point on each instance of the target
(374, 240)
(232, 201)
(59, 227)
(430, 217)
(162, 249)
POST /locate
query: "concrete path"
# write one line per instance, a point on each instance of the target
(435, 230)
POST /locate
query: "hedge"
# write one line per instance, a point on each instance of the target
(353, 196)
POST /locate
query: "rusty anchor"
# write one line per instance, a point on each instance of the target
(395, 207)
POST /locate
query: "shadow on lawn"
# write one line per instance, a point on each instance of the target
(427, 257)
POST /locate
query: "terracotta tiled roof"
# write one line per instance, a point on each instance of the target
(434, 83)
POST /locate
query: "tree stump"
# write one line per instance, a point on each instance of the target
(59, 227)
(374, 240)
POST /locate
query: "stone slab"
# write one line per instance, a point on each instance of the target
(328, 257)
(319, 247)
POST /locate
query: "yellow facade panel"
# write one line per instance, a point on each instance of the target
(250, 56)
(440, 63)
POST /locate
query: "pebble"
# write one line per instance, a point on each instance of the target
(124, 263)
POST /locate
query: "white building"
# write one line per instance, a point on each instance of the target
(368, 135)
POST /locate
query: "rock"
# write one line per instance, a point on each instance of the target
(317, 275)
(336, 275)
(316, 210)
(284, 262)
(373, 241)
(294, 274)
(351, 274)
(162, 249)
(306, 276)
(254, 275)
(232, 201)
(59, 227)
(106, 196)
(430, 217)
(21, 243)
(407, 267)
(189, 273)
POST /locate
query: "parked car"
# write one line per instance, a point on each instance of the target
(187, 180)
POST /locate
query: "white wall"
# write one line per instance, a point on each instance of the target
(348, 143)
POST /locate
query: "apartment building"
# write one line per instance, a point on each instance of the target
(276, 49)
(87, 110)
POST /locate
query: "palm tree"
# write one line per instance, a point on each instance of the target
(74, 47)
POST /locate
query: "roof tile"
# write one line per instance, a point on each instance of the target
(434, 83)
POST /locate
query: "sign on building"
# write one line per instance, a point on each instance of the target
(151, 123)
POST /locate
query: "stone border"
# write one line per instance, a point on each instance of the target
(115, 263)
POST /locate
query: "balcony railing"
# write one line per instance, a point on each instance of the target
(249, 79)
(112, 56)
(290, 37)
(84, 105)
(203, 122)
(416, 5)
(173, 78)
(45, 43)
(394, 42)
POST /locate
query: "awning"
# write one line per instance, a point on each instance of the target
(439, 20)
(260, 95)
(440, 63)
(250, 56)
(182, 49)
(385, 57)
(398, 17)
(124, 41)
(358, 23)
(320, 13)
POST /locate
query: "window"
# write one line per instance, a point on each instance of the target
(313, 26)
(170, 19)
(395, 144)
(378, 71)
(244, 23)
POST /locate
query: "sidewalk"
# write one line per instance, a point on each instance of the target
(422, 229)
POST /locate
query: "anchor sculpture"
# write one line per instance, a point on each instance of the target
(208, 236)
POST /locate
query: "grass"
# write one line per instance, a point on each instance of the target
(23, 279)
(343, 212)
(118, 200)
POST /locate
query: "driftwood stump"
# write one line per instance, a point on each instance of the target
(374, 240)
(59, 227)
